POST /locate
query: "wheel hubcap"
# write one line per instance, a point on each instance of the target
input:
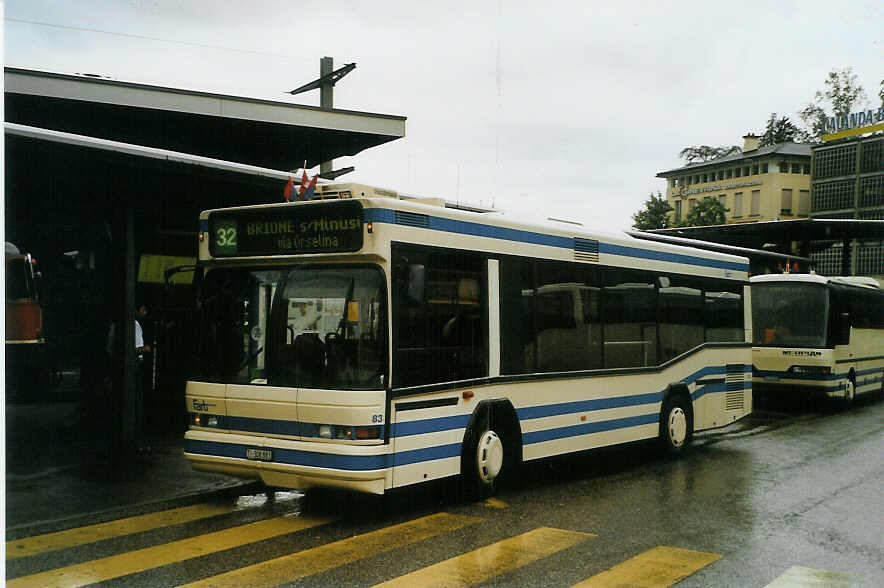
(678, 426)
(851, 390)
(489, 456)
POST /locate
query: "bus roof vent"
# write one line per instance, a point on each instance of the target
(342, 191)
(586, 249)
(412, 219)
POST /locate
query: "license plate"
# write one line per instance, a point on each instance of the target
(259, 454)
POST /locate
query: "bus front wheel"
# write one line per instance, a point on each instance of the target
(483, 460)
(849, 391)
(676, 424)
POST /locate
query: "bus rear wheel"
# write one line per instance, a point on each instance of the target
(676, 425)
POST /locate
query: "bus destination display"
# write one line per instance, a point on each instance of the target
(316, 228)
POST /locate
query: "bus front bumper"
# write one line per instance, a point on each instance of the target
(291, 464)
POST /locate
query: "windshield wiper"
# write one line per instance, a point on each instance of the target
(347, 300)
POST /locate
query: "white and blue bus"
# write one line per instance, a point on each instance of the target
(370, 341)
(815, 335)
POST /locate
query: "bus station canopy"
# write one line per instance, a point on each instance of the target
(264, 133)
(757, 235)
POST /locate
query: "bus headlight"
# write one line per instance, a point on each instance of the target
(348, 432)
(204, 420)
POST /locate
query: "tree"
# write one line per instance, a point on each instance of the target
(706, 153)
(708, 211)
(655, 214)
(840, 93)
(779, 131)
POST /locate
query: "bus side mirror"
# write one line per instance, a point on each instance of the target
(843, 329)
(417, 279)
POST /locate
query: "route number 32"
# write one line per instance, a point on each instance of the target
(226, 237)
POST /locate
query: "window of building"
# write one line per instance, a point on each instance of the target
(738, 172)
(805, 168)
(722, 199)
(834, 195)
(721, 174)
(803, 202)
(786, 201)
(764, 168)
(755, 203)
(872, 158)
(784, 167)
(871, 191)
(755, 170)
(796, 168)
(704, 179)
(678, 211)
(738, 204)
(697, 179)
(746, 170)
(728, 173)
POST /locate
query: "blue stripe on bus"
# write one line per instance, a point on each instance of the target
(292, 456)
(401, 458)
(429, 425)
(383, 215)
(626, 251)
(404, 429)
(547, 410)
(588, 428)
(257, 425)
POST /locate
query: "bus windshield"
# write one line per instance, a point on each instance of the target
(790, 314)
(313, 327)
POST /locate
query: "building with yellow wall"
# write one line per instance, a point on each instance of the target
(758, 184)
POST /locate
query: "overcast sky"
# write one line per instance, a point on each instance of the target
(568, 109)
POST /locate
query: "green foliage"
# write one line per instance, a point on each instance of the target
(840, 94)
(779, 131)
(706, 153)
(655, 214)
(708, 211)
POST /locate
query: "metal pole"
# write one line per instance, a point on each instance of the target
(128, 333)
(326, 100)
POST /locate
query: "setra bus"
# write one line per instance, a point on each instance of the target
(817, 335)
(370, 341)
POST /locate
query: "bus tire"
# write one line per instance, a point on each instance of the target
(676, 423)
(849, 391)
(490, 449)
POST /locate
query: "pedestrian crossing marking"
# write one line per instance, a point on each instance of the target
(800, 577)
(495, 503)
(140, 560)
(495, 559)
(90, 534)
(656, 568)
(292, 567)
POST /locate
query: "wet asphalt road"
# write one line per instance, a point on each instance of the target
(783, 490)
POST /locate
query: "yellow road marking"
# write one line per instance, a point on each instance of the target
(495, 503)
(289, 568)
(128, 526)
(799, 576)
(492, 560)
(123, 564)
(655, 568)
